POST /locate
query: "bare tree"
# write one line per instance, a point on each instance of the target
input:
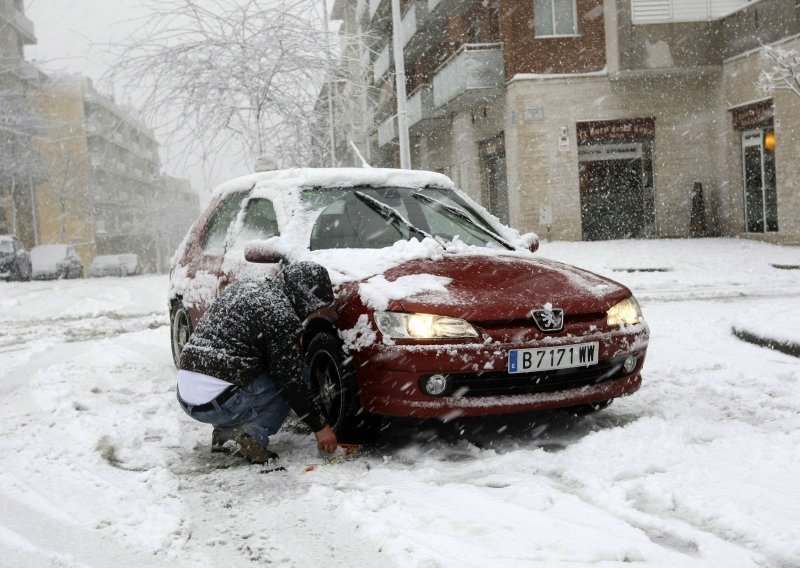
(783, 72)
(228, 75)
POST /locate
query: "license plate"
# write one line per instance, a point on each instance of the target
(549, 358)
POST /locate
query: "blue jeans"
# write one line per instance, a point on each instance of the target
(258, 409)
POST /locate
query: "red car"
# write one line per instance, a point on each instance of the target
(441, 310)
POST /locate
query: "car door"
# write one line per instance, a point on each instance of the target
(23, 259)
(257, 221)
(207, 275)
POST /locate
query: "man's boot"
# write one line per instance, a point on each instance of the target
(252, 451)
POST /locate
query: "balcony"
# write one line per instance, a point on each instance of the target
(387, 132)
(470, 77)
(421, 112)
(18, 21)
(381, 65)
(374, 6)
(450, 7)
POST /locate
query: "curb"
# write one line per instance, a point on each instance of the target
(787, 347)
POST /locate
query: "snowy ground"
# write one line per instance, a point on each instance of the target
(99, 467)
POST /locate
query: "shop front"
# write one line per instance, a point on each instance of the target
(616, 178)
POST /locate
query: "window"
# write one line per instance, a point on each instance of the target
(259, 223)
(555, 18)
(217, 228)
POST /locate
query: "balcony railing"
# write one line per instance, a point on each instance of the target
(381, 65)
(475, 70)
(373, 7)
(450, 7)
(420, 107)
(387, 132)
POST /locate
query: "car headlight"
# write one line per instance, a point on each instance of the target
(627, 312)
(400, 325)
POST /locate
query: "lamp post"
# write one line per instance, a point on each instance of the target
(400, 87)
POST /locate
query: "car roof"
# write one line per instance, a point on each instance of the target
(335, 177)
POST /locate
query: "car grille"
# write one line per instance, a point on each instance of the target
(499, 383)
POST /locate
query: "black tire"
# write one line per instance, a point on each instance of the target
(334, 382)
(29, 273)
(180, 332)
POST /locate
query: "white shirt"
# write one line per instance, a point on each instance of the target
(197, 388)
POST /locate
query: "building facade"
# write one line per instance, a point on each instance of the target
(104, 193)
(20, 166)
(594, 119)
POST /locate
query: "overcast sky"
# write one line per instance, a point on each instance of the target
(75, 36)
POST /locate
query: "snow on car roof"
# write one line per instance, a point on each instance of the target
(335, 177)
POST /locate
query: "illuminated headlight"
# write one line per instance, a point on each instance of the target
(400, 325)
(626, 312)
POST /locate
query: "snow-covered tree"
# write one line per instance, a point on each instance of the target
(230, 75)
(783, 72)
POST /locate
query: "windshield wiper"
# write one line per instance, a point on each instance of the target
(389, 213)
(461, 214)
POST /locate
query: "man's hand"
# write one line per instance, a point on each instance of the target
(326, 439)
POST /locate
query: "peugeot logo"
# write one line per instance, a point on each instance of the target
(549, 318)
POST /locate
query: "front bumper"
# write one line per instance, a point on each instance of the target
(390, 378)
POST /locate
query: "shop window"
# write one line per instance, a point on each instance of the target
(760, 187)
(553, 18)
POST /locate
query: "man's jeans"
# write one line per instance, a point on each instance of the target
(258, 409)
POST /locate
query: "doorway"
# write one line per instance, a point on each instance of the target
(494, 182)
(760, 187)
(616, 191)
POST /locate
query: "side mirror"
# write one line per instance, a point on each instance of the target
(529, 241)
(261, 252)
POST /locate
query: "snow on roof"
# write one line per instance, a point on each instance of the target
(336, 177)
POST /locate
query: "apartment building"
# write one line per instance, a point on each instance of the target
(20, 168)
(104, 189)
(592, 119)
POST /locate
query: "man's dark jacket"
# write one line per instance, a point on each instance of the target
(254, 326)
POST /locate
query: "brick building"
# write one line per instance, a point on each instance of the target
(598, 118)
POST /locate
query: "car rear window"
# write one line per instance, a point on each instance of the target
(213, 240)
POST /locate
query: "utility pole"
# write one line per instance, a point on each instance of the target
(330, 87)
(400, 87)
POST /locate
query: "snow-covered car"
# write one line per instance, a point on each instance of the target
(441, 310)
(55, 261)
(114, 265)
(15, 261)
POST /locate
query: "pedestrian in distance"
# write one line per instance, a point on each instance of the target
(241, 370)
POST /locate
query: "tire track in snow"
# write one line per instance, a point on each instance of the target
(16, 335)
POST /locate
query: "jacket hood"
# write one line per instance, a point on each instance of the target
(307, 286)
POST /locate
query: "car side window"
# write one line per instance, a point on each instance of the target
(213, 240)
(259, 222)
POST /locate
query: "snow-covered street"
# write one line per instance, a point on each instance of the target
(700, 468)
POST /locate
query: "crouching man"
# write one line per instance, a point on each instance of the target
(241, 370)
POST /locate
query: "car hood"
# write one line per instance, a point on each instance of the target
(484, 288)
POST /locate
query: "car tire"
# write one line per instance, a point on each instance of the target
(334, 381)
(29, 273)
(180, 332)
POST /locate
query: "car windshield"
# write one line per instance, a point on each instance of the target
(370, 217)
(6, 246)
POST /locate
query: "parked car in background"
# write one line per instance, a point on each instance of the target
(114, 265)
(55, 261)
(15, 261)
(441, 311)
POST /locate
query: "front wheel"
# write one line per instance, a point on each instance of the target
(181, 330)
(334, 381)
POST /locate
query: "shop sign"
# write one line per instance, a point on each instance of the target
(753, 115)
(616, 130)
